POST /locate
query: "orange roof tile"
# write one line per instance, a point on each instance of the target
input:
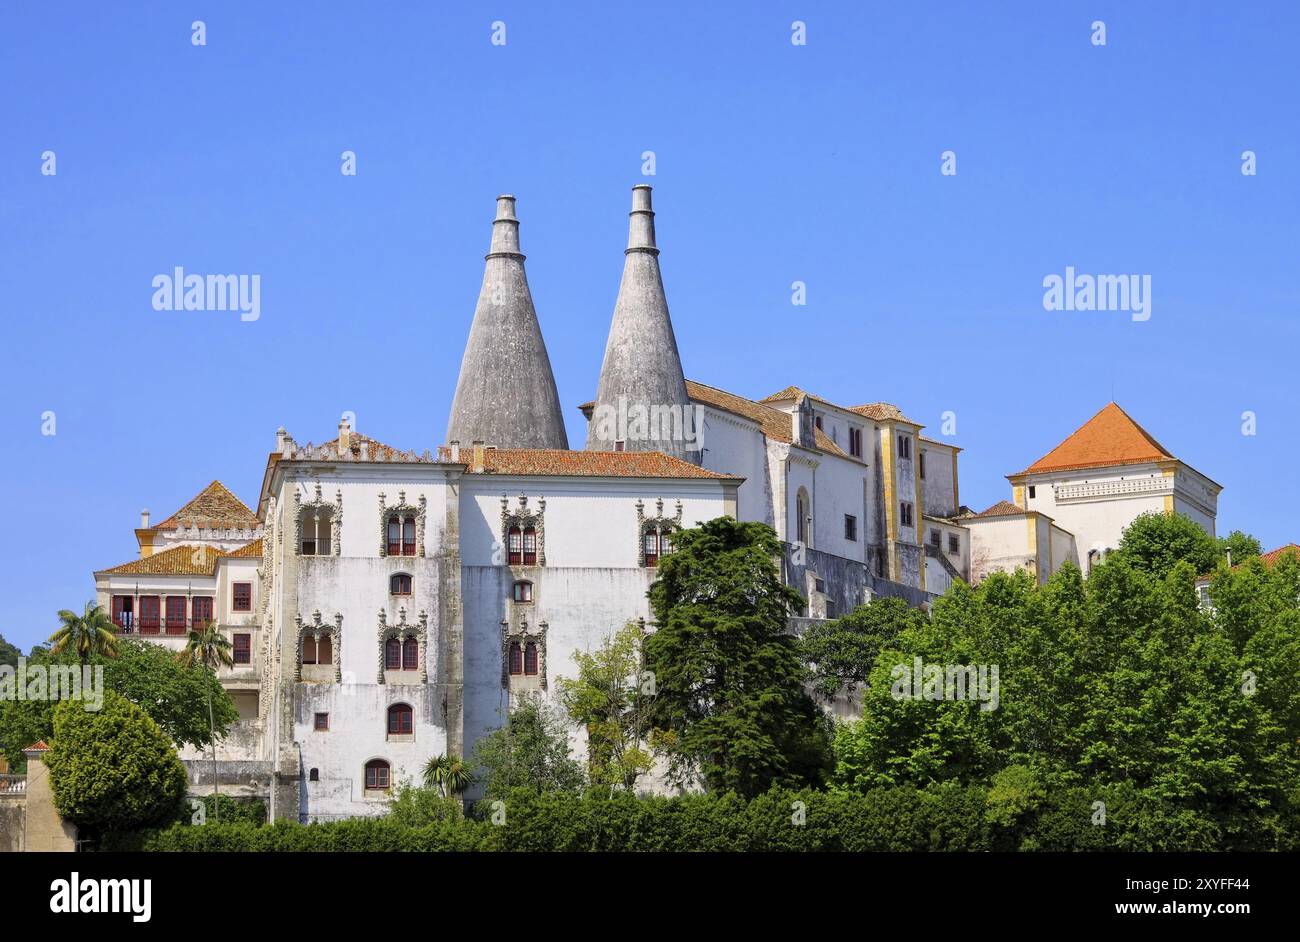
(38, 746)
(1272, 556)
(774, 422)
(1109, 438)
(216, 505)
(248, 550)
(1003, 508)
(375, 448)
(620, 464)
(882, 412)
(183, 560)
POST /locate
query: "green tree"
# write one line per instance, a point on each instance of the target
(840, 654)
(730, 708)
(207, 649)
(1155, 542)
(610, 698)
(87, 634)
(113, 769)
(1237, 547)
(530, 751)
(8, 653)
(449, 774)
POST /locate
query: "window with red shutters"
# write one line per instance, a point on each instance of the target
(150, 616)
(200, 611)
(515, 546)
(124, 612)
(392, 655)
(377, 775)
(176, 614)
(530, 658)
(400, 720)
(408, 537)
(530, 547)
(410, 655)
(242, 651)
(394, 535)
(243, 597)
(516, 659)
(651, 541)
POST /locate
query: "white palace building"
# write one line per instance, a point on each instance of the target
(384, 605)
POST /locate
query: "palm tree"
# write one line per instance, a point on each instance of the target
(209, 649)
(448, 774)
(87, 634)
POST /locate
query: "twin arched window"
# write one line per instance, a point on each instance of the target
(401, 535)
(399, 584)
(401, 655)
(522, 546)
(314, 652)
(656, 544)
(523, 659)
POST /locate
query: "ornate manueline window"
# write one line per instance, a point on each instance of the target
(317, 524)
(523, 655)
(402, 646)
(402, 527)
(656, 533)
(516, 659)
(523, 532)
(319, 645)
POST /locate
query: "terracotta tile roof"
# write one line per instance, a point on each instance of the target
(183, 560)
(249, 550)
(215, 505)
(1003, 508)
(376, 450)
(619, 464)
(1272, 556)
(38, 746)
(882, 412)
(1109, 438)
(774, 422)
(785, 395)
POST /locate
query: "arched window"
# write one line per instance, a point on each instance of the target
(316, 532)
(523, 591)
(377, 776)
(801, 516)
(516, 659)
(394, 535)
(515, 547)
(400, 584)
(401, 720)
(651, 540)
(530, 659)
(408, 537)
(392, 655)
(325, 651)
(308, 649)
(410, 655)
(530, 546)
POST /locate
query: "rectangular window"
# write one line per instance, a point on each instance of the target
(954, 544)
(124, 612)
(651, 540)
(922, 458)
(408, 537)
(150, 616)
(243, 597)
(850, 527)
(855, 442)
(904, 514)
(242, 651)
(176, 614)
(201, 611)
(818, 422)
(935, 537)
(1031, 491)
(530, 547)
(321, 723)
(515, 543)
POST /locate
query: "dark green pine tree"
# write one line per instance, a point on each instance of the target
(729, 704)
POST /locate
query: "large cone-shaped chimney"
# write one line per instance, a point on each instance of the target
(642, 401)
(506, 393)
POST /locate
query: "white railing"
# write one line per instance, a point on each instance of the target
(13, 784)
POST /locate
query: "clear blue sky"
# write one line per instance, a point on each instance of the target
(775, 163)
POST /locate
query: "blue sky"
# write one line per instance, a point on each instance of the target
(775, 163)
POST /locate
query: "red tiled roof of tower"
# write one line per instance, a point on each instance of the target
(215, 505)
(1109, 438)
(555, 462)
(1003, 508)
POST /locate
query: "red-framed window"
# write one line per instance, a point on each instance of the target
(377, 775)
(321, 722)
(400, 584)
(530, 658)
(410, 655)
(150, 614)
(200, 610)
(401, 720)
(175, 614)
(242, 650)
(242, 598)
(394, 535)
(124, 612)
(515, 546)
(651, 542)
(530, 546)
(523, 591)
(408, 537)
(516, 659)
(392, 655)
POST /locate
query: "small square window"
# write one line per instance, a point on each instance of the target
(322, 722)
